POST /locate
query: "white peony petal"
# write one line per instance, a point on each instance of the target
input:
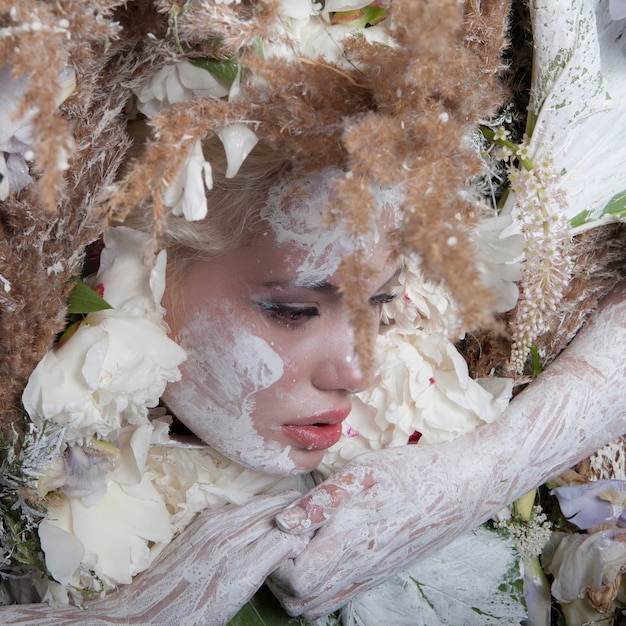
(238, 142)
(110, 528)
(94, 361)
(124, 272)
(63, 551)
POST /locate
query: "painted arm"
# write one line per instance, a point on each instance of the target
(203, 577)
(386, 509)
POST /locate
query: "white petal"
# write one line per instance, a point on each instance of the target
(199, 81)
(238, 142)
(194, 197)
(63, 551)
(296, 9)
(4, 179)
(617, 9)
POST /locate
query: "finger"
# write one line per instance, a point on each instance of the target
(248, 571)
(322, 502)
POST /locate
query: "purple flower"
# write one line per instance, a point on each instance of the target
(590, 504)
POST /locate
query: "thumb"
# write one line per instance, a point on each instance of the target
(322, 502)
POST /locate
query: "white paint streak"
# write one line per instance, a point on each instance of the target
(227, 365)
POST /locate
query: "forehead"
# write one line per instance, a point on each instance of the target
(295, 217)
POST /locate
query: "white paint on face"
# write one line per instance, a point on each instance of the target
(296, 210)
(226, 366)
(295, 215)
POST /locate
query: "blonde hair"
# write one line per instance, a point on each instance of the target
(234, 206)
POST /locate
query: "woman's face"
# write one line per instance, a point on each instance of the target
(271, 365)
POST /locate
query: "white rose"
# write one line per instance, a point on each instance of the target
(119, 360)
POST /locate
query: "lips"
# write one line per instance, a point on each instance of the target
(318, 432)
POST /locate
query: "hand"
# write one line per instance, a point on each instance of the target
(388, 508)
(203, 576)
(376, 515)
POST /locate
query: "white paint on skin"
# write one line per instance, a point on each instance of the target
(300, 221)
(226, 366)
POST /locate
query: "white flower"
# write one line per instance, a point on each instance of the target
(419, 304)
(421, 385)
(191, 478)
(119, 360)
(308, 28)
(579, 561)
(179, 82)
(499, 254)
(112, 536)
(578, 92)
(16, 138)
(186, 195)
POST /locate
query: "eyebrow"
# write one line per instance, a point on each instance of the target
(316, 285)
(319, 286)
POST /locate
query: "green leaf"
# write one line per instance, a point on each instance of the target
(222, 70)
(361, 18)
(265, 610)
(83, 299)
(536, 361)
(615, 207)
(262, 610)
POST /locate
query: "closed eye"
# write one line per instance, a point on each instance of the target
(289, 315)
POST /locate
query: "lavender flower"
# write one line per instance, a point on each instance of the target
(590, 504)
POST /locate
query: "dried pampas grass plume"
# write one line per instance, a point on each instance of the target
(396, 115)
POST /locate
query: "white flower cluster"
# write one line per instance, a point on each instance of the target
(530, 535)
(541, 204)
(98, 385)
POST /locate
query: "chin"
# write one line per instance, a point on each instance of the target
(306, 461)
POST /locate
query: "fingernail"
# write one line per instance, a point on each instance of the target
(294, 518)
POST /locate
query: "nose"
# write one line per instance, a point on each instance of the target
(338, 368)
(339, 374)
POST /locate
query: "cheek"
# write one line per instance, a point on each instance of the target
(228, 371)
(226, 360)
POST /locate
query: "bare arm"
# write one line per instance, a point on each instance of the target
(388, 508)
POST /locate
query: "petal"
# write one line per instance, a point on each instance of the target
(617, 9)
(238, 142)
(63, 551)
(593, 503)
(4, 179)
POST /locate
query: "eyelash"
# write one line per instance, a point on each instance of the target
(288, 315)
(293, 316)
